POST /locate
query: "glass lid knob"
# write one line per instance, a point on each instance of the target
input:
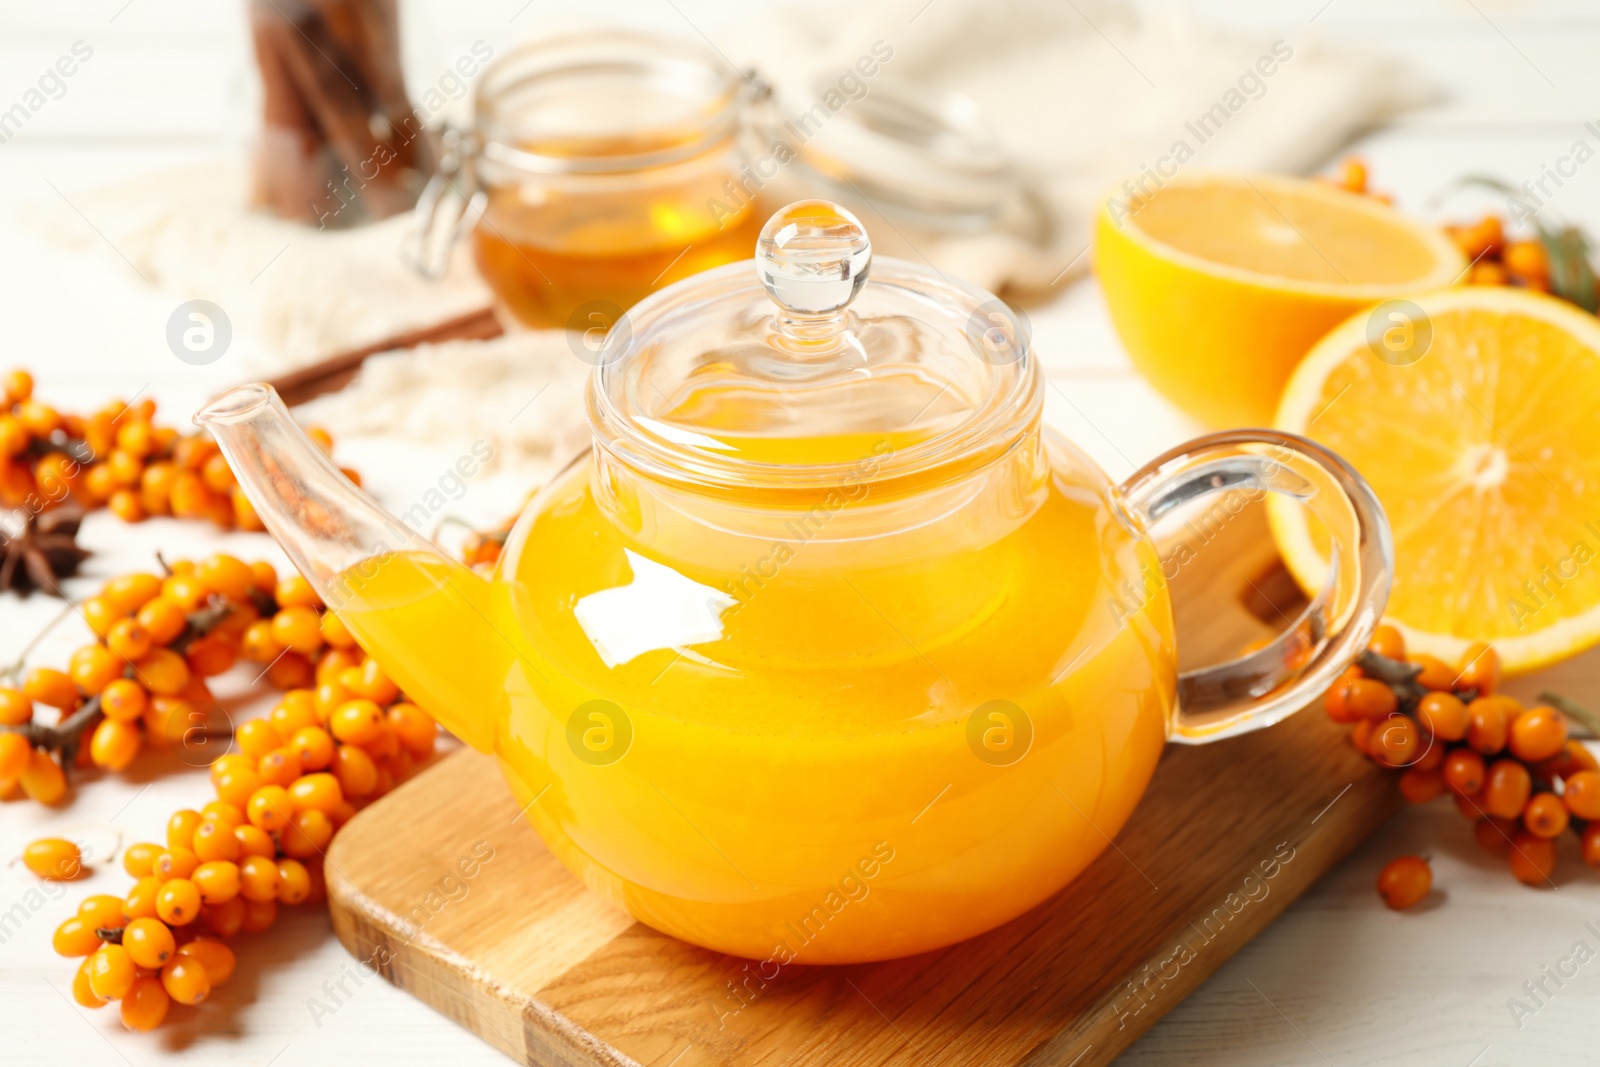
(813, 257)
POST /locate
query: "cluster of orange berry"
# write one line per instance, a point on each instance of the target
(337, 742)
(1513, 770)
(1497, 261)
(116, 458)
(143, 681)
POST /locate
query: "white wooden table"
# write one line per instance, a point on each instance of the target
(1337, 980)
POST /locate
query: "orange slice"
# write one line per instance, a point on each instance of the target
(1471, 413)
(1219, 284)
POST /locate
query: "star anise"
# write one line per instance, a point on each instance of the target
(37, 551)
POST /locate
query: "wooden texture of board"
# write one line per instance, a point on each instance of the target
(522, 954)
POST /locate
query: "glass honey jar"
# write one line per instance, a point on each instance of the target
(597, 170)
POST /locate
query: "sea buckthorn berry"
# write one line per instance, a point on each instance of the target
(1572, 758)
(18, 386)
(298, 628)
(360, 722)
(309, 833)
(176, 863)
(258, 644)
(128, 639)
(237, 786)
(1369, 698)
(333, 664)
(178, 903)
(1591, 844)
(1395, 741)
(1480, 670)
(314, 746)
(125, 505)
(149, 942)
(99, 612)
(140, 903)
(258, 915)
(232, 761)
(163, 620)
(294, 882)
(114, 744)
(145, 1004)
(254, 841)
(295, 592)
(1436, 673)
(227, 575)
(376, 685)
(281, 766)
(1582, 794)
(162, 671)
(1431, 758)
(1386, 641)
(316, 792)
(1538, 734)
(384, 748)
(257, 737)
(139, 859)
(1444, 715)
(1405, 881)
(1506, 788)
(111, 972)
(211, 655)
(291, 671)
(14, 755)
(1489, 725)
(1420, 786)
(54, 859)
(94, 667)
(42, 779)
(294, 711)
(130, 592)
(1533, 859)
(218, 959)
(1361, 734)
(330, 696)
(181, 828)
(229, 815)
(264, 576)
(1545, 815)
(124, 700)
(15, 708)
(414, 727)
(75, 937)
(334, 632)
(270, 808)
(355, 770)
(184, 590)
(102, 911)
(50, 687)
(258, 878)
(225, 919)
(81, 991)
(214, 841)
(218, 881)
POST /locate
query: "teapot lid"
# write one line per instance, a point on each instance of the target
(803, 373)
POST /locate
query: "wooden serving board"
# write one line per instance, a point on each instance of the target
(523, 955)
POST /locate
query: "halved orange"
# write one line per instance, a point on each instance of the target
(1471, 412)
(1218, 284)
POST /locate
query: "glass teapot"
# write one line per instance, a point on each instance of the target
(827, 650)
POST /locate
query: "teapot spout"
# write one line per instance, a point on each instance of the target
(393, 589)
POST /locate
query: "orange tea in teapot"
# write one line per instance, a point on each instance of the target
(708, 730)
(827, 651)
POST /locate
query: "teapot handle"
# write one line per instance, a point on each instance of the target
(1269, 684)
